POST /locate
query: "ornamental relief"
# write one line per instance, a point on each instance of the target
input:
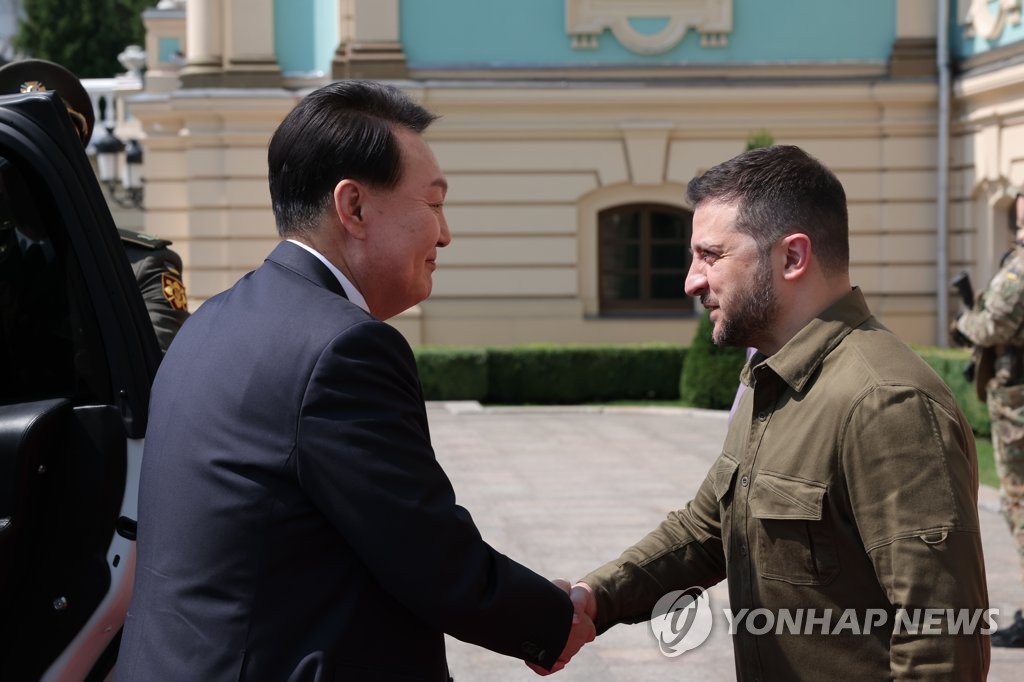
(980, 21)
(586, 20)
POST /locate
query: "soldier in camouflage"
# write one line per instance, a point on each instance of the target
(996, 326)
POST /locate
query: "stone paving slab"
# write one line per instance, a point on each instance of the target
(564, 489)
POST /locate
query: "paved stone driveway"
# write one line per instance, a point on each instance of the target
(563, 490)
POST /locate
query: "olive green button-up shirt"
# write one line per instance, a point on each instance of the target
(848, 482)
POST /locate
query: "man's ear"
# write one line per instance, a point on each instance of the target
(349, 197)
(797, 251)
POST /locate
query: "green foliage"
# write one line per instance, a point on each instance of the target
(449, 373)
(551, 374)
(987, 473)
(949, 364)
(711, 373)
(84, 36)
(762, 138)
(574, 374)
(579, 374)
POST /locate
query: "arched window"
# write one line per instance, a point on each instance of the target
(643, 256)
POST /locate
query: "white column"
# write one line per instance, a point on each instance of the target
(370, 40)
(249, 59)
(375, 21)
(913, 50)
(203, 44)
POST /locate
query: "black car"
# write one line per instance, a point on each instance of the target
(77, 359)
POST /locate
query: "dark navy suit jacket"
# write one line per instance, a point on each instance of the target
(294, 523)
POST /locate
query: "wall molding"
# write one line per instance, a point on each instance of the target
(980, 22)
(586, 20)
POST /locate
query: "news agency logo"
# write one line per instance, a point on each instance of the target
(681, 621)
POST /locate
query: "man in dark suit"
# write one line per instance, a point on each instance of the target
(293, 520)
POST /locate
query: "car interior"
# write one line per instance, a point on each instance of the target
(77, 356)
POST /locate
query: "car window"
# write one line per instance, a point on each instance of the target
(49, 341)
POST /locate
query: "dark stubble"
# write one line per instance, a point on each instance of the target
(751, 313)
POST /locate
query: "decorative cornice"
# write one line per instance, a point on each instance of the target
(913, 58)
(996, 58)
(1007, 79)
(586, 20)
(375, 60)
(678, 75)
(996, 188)
(980, 22)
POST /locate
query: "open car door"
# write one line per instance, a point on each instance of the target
(77, 358)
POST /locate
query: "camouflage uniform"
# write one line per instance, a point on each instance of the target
(996, 322)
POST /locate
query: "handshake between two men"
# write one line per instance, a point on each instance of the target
(582, 630)
(847, 481)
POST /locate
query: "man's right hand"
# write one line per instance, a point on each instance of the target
(583, 600)
(582, 630)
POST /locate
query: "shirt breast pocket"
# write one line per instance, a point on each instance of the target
(723, 475)
(795, 542)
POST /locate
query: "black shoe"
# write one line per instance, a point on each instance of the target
(1012, 635)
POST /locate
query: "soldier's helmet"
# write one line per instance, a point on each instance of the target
(39, 75)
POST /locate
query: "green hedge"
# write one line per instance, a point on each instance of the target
(949, 364)
(552, 374)
(573, 374)
(712, 375)
(451, 373)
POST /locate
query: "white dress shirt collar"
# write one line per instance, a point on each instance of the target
(350, 289)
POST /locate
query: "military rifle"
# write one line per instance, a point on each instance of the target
(962, 284)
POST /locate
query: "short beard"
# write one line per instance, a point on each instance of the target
(752, 314)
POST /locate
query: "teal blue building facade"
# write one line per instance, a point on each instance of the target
(460, 34)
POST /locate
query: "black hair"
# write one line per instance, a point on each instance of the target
(344, 130)
(780, 190)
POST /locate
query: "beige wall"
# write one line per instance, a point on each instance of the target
(529, 170)
(559, 150)
(531, 166)
(206, 181)
(988, 163)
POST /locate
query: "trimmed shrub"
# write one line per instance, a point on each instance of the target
(711, 373)
(551, 374)
(451, 373)
(949, 364)
(554, 374)
(759, 139)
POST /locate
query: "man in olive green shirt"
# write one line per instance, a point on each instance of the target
(848, 480)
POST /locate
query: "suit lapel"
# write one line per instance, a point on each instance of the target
(305, 264)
